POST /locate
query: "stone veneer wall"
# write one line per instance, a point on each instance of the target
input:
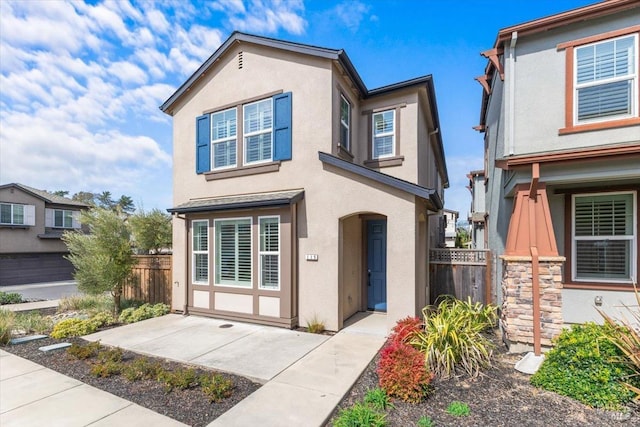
(517, 303)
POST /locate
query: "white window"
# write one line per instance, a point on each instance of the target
(269, 254)
(604, 237)
(62, 218)
(345, 121)
(223, 139)
(258, 131)
(384, 134)
(17, 214)
(233, 252)
(606, 80)
(200, 231)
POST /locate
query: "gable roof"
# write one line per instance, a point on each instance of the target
(47, 197)
(434, 202)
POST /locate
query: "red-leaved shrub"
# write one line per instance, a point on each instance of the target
(405, 328)
(402, 372)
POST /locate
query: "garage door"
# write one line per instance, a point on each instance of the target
(19, 269)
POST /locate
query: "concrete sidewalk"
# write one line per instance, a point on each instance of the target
(32, 395)
(305, 375)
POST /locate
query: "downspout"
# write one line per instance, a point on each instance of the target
(512, 88)
(535, 262)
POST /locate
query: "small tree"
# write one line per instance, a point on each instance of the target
(151, 230)
(103, 258)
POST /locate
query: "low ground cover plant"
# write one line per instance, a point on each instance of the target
(585, 365)
(145, 311)
(7, 324)
(315, 325)
(10, 298)
(426, 421)
(33, 322)
(458, 409)
(453, 339)
(360, 415)
(378, 399)
(91, 304)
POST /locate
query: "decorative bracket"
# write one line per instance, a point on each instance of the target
(484, 81)
(492, 55)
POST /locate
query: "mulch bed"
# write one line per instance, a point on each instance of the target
(501, 396)
(189, 406)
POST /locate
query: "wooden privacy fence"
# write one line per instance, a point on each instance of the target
(462, 273)
(151, 280)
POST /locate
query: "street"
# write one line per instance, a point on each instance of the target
(44, 291)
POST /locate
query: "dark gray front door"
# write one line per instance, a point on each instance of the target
(377, 265)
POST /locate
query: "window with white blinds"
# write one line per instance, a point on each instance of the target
(606, 79)
(604, 237)
(258, 131)
(384, 134)
(223, 139)
(17, 214)
(233, 252)
(200, 251)
(269, 252)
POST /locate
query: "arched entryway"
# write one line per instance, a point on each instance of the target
(362, 264)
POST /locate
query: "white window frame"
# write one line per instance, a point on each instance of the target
(218, 141)
(12, 214)
(633, 77)
(246, 134)
(200, 252)
(347, 125)
(64, 211)
(215, 250)
(633, 241)
(261, 252)
(391, 133)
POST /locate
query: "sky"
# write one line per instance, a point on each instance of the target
(81, 82)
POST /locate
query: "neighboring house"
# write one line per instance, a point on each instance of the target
(478, 211)
(560, 116)
(300, 194)
(450, 219)
(31, 224)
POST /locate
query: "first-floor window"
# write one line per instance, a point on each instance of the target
(233, 252)
(269, 252)
(604, 237)
(201, 251)
(63, 218)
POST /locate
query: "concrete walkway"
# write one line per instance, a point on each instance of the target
(305, 375)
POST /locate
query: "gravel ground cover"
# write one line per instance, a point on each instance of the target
(501, 396)
(189, 406)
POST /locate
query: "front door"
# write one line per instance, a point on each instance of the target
(377, 265)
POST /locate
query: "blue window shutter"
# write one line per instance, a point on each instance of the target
(203, 144)
(282, 128)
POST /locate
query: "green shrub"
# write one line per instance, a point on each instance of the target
(145, 311)
(33, 321)
(10, 298)
(142, 368)
(84, 351)
(106, 369)
(110, 355)
(181, 378)
(585, 365)
(89, 303)
(378, 399)
(215, 386)
(453, 340)
(103, 318)
(425, 421)
(360, 415)
(73, 328)
(458, 409)
(130, 303)
(402, 372)
(7, 324)
(405, 329)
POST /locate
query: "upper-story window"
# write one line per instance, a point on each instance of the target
(345, 123)
(606, 80)
(228, 145)
(63, 218)
(383, 144)
(258, 131)
(17, 214)
(223, 138)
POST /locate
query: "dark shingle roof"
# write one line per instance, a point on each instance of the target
(46, 196)
(243, 201)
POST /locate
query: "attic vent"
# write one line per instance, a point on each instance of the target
(239, 60)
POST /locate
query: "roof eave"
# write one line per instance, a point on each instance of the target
(240, 205)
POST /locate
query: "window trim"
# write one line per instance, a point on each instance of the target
(214, 142)
(215, 252)
(260, 132)
(392, 133)
(570, 247)
(200, 252)
(278, 253)
(569, 47)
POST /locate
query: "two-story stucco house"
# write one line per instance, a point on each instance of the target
(561, 121)
(478, 212)
(299, 193)
(31, 224)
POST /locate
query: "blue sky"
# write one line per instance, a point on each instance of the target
(81, 83)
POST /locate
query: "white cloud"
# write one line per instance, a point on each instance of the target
(264, 16)
(127, 72)
(351, 13)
